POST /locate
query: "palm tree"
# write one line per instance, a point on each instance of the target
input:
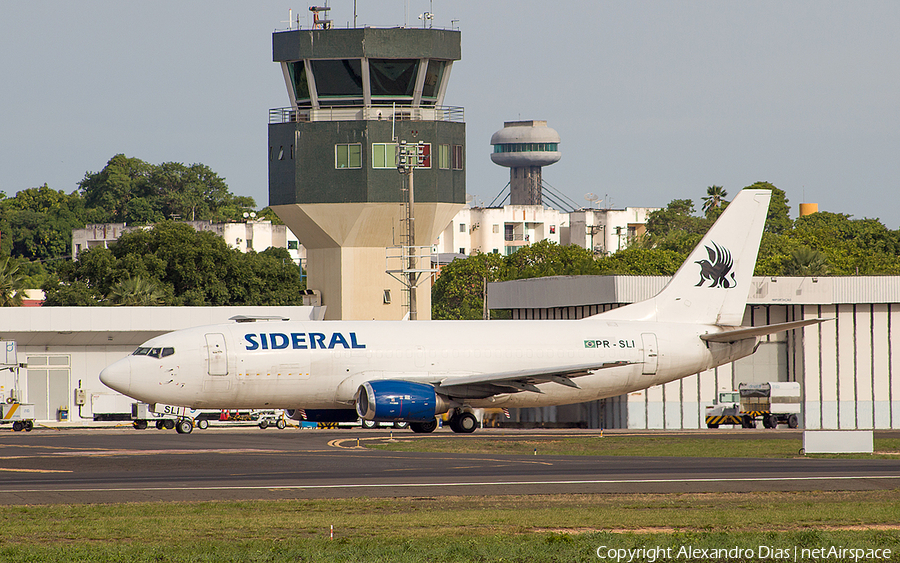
(805, 262)
(10, 284)
(715, 196)
(136, 291)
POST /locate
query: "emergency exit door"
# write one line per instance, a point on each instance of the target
(217, 354)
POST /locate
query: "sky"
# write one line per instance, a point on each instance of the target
(653, 100)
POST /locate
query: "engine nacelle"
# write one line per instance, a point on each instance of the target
(389, 400)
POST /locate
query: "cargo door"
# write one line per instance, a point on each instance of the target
(651, 353)
(217, 355)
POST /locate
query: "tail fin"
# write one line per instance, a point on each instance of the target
(712, 285)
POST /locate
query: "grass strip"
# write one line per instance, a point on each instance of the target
(613, 445)
(515, 528)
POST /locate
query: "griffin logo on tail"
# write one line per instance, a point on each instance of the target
(718, 268)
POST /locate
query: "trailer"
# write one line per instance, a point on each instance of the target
(19, 414)
(773, 402)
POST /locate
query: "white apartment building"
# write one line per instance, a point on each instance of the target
(504, 230)
(245, 236)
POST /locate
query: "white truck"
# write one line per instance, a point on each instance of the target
(774, 402)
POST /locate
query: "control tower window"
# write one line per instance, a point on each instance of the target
(433, 76)
(393, 77)
(301, 84)
(384, 155)
(348, 155)
(338, 78)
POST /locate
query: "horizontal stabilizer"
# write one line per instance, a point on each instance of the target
(734, 335)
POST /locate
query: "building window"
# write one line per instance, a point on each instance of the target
(293, 245)
(348, 155)
(387, 296)
(384, 155)
(457, 157)
(426, 156)
(444, 157)
(496, 229)
(552, 229)
(249, 244)
(462, 250)
(462, 227)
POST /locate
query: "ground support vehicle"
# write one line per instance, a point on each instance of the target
(773, 402)
(166, 417)
(20, 415)
(271, 418)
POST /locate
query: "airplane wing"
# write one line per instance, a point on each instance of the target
(733, 335)
(482, 385)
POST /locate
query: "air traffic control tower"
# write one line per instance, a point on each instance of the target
(333, 177)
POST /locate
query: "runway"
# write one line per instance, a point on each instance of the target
(126, 465)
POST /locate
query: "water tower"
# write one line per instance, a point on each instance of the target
(333, 179)
(525, 146)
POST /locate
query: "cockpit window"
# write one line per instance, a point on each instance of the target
(154, 352)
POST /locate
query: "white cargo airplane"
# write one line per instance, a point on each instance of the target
(412, 371)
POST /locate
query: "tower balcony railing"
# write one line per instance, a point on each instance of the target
(368, 113)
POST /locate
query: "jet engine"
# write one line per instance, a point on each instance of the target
(389, 400)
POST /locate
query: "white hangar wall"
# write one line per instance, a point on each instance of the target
(65, 348)
(846, 367)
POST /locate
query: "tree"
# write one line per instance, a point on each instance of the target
(186, 267)
(458, 292)
(110, 190)
(806, 262)
(715, 197)
(136, 291)
(10, 284)
(37, 223)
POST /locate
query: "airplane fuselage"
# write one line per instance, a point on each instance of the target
(320, 365)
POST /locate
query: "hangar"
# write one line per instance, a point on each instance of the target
(64, 349)
(846, 367)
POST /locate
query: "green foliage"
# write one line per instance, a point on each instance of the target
(37, 223)
(546, 258)
(173, 264)
(10, 283)
(714, 199)
(458, 292)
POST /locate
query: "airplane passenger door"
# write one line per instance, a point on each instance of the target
(651, 353)
(217, 354)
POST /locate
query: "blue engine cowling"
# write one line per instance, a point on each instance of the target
(390, 400)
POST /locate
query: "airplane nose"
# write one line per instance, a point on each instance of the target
(117, 376)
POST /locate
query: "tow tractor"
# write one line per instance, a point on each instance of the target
(166, 417)
(774, 402)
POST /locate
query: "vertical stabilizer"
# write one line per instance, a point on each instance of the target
(712, 285)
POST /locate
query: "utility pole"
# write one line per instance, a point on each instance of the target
(409, 157)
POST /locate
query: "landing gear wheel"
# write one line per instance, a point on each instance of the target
(463, 423)
(369, 424)
(203, 424)
(184, 426)
(423, 427)
(280, 424)
(793, 421)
